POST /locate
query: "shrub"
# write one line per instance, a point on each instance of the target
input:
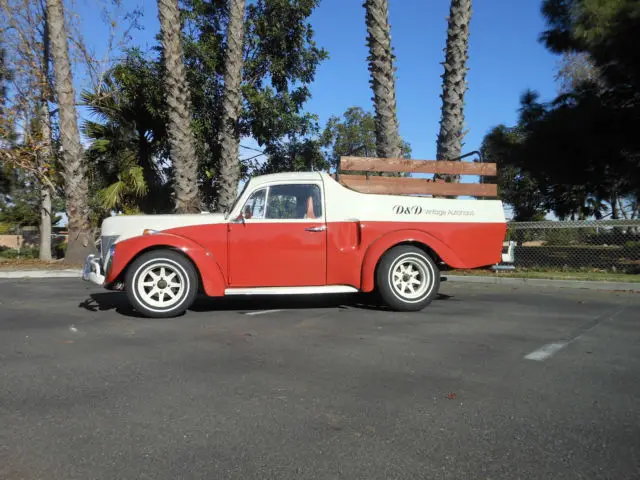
(60, 249)
(631, 249)
(27, 252)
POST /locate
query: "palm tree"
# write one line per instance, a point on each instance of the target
(181, 140)
(454, 86)
(382, 78)
(80, 240)
(129, 154)
(229, 135)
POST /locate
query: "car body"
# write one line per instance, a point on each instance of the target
(298, 233)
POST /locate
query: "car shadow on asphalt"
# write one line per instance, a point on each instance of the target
(117, 301)
(100, 302)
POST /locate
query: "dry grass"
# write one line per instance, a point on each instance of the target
(34, 264)
(551, 275)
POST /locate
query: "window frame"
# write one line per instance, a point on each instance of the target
(312, 183)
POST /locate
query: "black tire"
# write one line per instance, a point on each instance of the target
(139, 294)
(401, 257)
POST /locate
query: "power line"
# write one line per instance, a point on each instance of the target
(251, 148)
(251, 158)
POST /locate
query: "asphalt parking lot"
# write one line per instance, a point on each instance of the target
(490, 382)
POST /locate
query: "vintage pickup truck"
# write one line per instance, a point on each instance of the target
(307, 233)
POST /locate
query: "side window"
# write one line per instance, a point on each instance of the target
(254, 208)
(294, 201)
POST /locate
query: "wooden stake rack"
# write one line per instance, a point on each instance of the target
(368, 183)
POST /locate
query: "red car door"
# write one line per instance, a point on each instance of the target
(282, 239)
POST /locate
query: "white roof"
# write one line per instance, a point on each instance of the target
(286, 176)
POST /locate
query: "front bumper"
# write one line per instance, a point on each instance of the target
(93, 271)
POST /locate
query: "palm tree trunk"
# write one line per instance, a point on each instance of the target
(181, 140)
(382, 78)
(45, 190)
(454, 86)
(229, 135)
(80, 241)
(45, 157)
(45, 223)
(613, 201)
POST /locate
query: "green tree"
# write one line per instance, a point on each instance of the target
(574, 151)
(577, 70)
(294, 155)
(606, 32)
(20, 206)
(354, 134)
(516, 187)
(279, 62)
(382, 80)
(183, 151)
(557, 152)
(454, 84)
(280, 58)
(129, 155)
(582, 149)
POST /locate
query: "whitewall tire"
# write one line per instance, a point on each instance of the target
(407, 278)
(161, 283)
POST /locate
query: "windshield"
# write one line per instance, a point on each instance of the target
(226, 214)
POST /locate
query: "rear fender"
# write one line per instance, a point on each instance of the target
(213, 280)
(384, 243)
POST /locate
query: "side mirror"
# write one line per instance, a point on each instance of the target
(239, 218)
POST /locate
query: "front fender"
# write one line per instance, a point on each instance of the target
(384, 243)
(213, 280)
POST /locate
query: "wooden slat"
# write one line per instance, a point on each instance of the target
(437, 180)
(366, 164)
(416, 186)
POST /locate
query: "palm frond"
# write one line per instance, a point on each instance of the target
(136, 182)
(111, 197)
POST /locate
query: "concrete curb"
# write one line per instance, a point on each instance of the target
(67, 273)
(536, 282)
(541, 282)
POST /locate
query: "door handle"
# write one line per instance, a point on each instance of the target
(321, 228)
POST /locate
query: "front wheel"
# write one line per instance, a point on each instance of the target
(161, 283)
(407, 278)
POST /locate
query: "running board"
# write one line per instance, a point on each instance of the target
(290, 290)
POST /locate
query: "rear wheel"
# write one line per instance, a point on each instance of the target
(407, 278)
(161, 283)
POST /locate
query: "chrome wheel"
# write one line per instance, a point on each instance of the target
(410, 278)
(161, 285)
(407, 278)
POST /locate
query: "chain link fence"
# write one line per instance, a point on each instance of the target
(603, 245)
(555, 246)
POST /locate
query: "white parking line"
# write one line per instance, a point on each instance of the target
(550, 349)
(261, 312)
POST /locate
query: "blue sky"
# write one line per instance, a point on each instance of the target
(505, 58)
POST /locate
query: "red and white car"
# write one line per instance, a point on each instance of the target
(298, 233)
